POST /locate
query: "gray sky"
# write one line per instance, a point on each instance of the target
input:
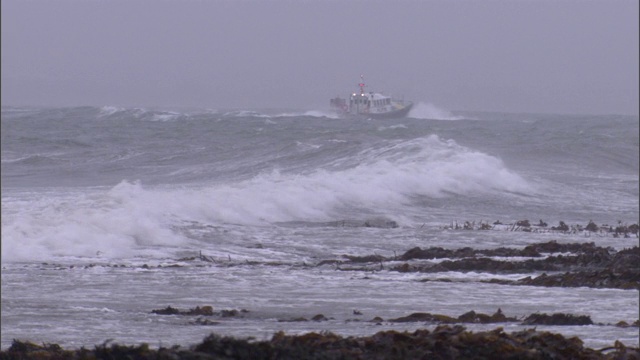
(492, 55)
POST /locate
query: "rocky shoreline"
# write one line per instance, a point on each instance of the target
(444, 342)
(571, 265)
(546, 264)
(551, 264)
(448, 340)
(206, 312)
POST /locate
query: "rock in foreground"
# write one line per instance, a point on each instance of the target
(445, 342)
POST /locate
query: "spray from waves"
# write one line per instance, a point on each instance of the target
(122, 222)
(129, 219)
(109, 112)
(431, 112)
(384, 180)
(311, 113)
(112, 112)
(434, 167)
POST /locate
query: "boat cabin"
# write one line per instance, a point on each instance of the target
(366, 103)
(370, 104)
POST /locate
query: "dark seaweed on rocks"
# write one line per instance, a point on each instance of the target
(466, 252)
(199, 311)
(587, 265)
(365, 259)
(575, 264)
(166, 311)
(533, 250)
(444, 342)
(557, 319)
(205, 310)
(468, 317)
(626, 280)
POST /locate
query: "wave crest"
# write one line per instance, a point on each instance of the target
(429, 111)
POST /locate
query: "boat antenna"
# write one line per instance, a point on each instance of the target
(361, 84)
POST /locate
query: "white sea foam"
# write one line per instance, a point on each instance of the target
(385, 179)
(244, 113)
(112, 224)
(7, 158)
(318, 113)
(392, 127)
(429, 111)
(165, 116)
(129, 218)
(109, 110)
(138, 113)
(312, 113)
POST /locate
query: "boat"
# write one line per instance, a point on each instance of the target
(370, 105)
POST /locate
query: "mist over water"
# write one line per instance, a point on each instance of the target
(108, 185)
(429, 111)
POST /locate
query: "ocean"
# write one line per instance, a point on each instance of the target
(109, 213)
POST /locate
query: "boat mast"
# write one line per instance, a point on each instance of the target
(361, 84)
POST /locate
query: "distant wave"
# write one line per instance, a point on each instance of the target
(111, 112)
(311, 113)
(36, 159)
(139, 114)
(244, 113)
(384, 180)
(431, 112)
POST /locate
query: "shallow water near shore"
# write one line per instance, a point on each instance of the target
(108, 214)
(86, 306)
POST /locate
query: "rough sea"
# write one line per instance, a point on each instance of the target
(109, 213)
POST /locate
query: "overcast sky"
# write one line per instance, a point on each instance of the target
(491, 55)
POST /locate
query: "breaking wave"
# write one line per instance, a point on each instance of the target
(429, 111)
